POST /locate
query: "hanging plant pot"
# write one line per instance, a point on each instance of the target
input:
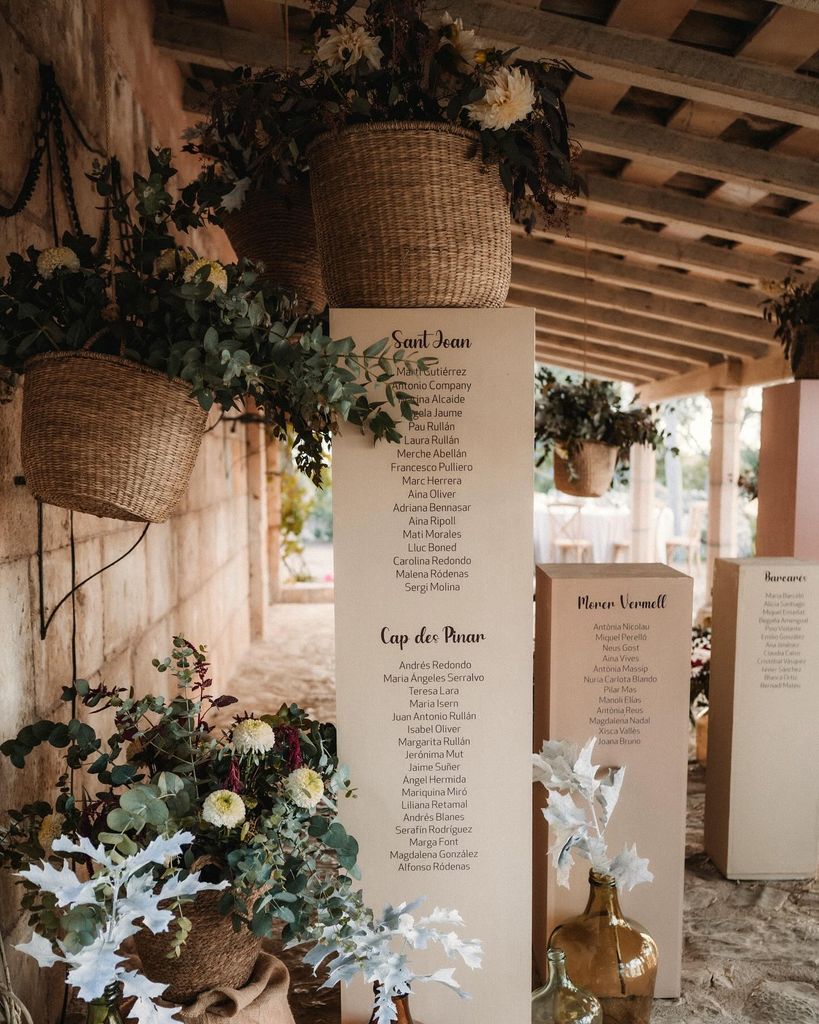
(107, 436)
(805, 354)
(593, 467)
(213, 956)
(408, 216)
(276, 227)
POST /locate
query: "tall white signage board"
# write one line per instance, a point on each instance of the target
(433, 592)
(762, 783)
(613, 660)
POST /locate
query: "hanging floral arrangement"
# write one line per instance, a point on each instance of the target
(795, 311)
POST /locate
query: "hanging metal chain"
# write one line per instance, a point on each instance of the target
(35, 164)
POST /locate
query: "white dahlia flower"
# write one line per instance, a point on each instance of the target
(304, 787)
(59, 257)
(224, 808)
(216, 275)
(464, 41)
(510, 97)
(344, 47)
(253, 736)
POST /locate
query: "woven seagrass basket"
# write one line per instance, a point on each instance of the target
(593, 467)
(104, 435)
(807, 366)
(214, 955)
(408, 216)
(276, 228)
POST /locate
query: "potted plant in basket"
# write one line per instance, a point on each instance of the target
(795, 311)
(584, 424)
(124, 356)
(420, 138)
(254, 179)
(257, 798)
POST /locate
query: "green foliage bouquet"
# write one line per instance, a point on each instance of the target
(569, 412)
(258, 797)
(795, 311)
(220, 328)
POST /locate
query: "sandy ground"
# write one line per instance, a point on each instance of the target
(751, 952)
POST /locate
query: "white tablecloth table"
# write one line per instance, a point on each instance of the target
(602, 524)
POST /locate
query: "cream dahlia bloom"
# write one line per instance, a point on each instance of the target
(217, 275)
(224, 808)
(253, 736)
(304, 787)
(344, 47)
(510, 97)
(59, 257)
(463, 40)
(51, 828)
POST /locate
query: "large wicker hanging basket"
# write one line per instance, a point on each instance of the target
(407, 215)
(104, 435)
(276, 228)
(807, 366)
(214, 955)
(593, 466)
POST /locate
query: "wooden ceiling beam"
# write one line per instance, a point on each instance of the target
(603, 267)
(770, 370)
(642, 326)
(549, 282)
(611, 371)
(657, 366)
(673, 207)
(726, 161)
(198, 41)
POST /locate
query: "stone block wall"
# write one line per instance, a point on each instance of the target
(190, 575)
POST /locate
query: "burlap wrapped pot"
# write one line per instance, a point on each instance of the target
(105, 435)
(408, 215)
(593, 465)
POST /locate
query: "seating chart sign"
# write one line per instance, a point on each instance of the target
(433, 592)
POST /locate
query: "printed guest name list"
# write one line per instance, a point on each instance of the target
(433, 559)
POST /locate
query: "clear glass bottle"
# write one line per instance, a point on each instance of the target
(611, 956)
(560, 1001)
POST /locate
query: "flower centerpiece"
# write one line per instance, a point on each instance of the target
(354, 941)
(600, 942)
(419, 138)
(254, 180)
(123, 356)
(257, 797)
(795, 311)
(583, 422)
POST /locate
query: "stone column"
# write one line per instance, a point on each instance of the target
(723, 471)
(788, 522)
(643, 475)
(274, 518)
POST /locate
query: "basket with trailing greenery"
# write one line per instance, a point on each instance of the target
(257, 799)
(795, 311)
(123, 358)
(419, 141)
(254, 180)
(584, 425)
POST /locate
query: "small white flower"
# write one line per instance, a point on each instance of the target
(224, 808)
(59, 257)
(304, 787)
(510, 97)
(344, 47)
(253, 736)
(464, 41)
(234, 200)
(216, 275)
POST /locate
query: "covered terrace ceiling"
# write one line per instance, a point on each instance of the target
(700, 136)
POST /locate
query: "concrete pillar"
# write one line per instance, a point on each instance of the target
(723, 471)
(274, 518)
(643, 475)
(788, 519)
(258, 586)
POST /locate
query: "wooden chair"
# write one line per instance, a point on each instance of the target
(566, 534)
(620, 548)
(691, 541)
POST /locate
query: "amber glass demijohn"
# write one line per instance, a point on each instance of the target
(560, 1001)
(402, 1008)
(611, 956)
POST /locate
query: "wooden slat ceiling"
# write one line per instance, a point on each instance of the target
(700, 135)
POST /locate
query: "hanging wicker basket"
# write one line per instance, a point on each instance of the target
(806, 367)
(407, 215)
(104, 435)
(214, 955)
(593, 466)
(276, 228)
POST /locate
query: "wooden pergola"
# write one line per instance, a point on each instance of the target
(700, 132)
